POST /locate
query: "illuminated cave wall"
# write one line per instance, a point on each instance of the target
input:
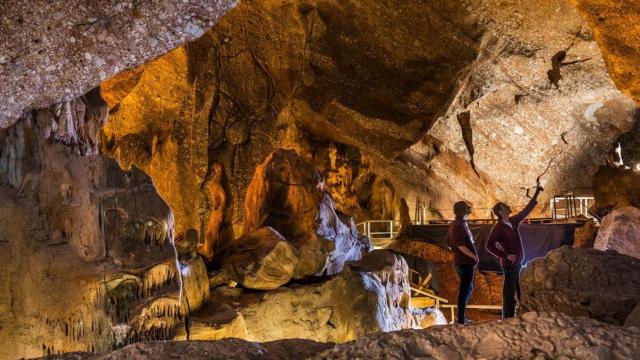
(524, 84)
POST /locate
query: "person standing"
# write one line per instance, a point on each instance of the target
(505, 243)
(460, 240)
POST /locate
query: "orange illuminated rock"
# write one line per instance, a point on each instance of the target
(116, 88)
(214, 235)
(370, 295)
(161, 127)
(262, 259)
(286, 193)
(616, 29)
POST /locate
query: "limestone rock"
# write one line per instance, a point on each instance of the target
(173, 153)
(538, 92)
(613, 27)
(239, 106)
(615, 188)
(532, 335)
(95, 241)
(634, 318)
(289, 349)
(585, 235)
(370, 295)
(262, 259)
(620, 231)
(582, 282)
(79, 43)
(286, 194)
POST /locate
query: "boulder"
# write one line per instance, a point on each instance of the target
(286, 193)
(370, 295)
(534, 335)
(262, 259)
(603, 285)
(585, 235)
(620, 231)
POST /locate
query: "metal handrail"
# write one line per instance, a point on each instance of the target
(452, 307)
(437, 298)
(393, 226)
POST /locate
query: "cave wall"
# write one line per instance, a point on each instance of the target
(87, 248)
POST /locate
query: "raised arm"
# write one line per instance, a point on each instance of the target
(525, 212)
(515, 219)
(493, 245)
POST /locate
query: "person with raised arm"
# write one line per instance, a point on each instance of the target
(505, 243)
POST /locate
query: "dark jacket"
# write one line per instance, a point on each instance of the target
(505, 240)
(459, 235)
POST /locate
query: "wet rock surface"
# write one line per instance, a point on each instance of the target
(532, 335)
(52, 52)
(582, 282)
(619, 231)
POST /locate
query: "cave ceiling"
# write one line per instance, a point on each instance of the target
(431, 98)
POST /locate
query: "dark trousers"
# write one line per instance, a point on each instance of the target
(510, 291)
(465, 274)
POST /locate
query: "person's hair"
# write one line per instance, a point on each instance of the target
(460, 209)
(496, 209)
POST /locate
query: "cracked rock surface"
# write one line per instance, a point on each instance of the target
(52, 51)
(603, 285)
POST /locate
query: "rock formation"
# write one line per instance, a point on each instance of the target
(286, 193)
(615, 188)
(582, 282)
(613, 24)
(619, 231)
(369, 296)
(87, 248)
(538, 94)
(262, 259)
(211, 350)
(298, 92)
(52, 52)
(533, 335)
